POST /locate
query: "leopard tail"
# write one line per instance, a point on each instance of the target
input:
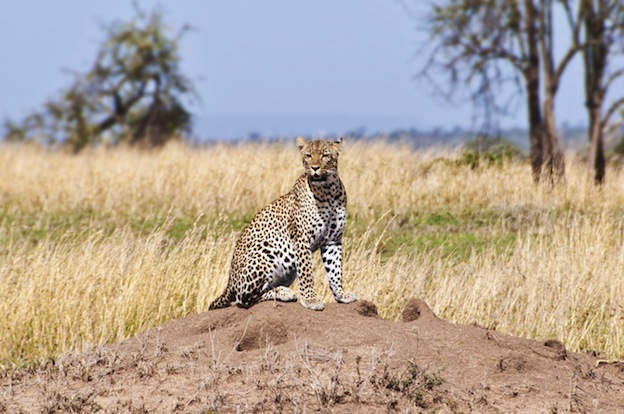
(223, 301)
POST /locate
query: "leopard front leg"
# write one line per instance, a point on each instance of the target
(308, 297)
(332, 260)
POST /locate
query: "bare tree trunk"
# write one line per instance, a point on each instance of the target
(595, 61)
(532, 79)
(596, 148)
(553, 157)
(536, 125)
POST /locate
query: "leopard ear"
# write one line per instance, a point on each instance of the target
(338, 144)
(301, 142)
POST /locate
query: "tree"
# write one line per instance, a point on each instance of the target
(486, 43)
(133, 93)
(603, 24)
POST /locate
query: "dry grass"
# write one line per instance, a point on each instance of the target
(97, 247)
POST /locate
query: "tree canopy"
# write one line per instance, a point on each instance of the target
(134, 92)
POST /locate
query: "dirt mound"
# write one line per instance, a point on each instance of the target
(414, 309)
(284, 358)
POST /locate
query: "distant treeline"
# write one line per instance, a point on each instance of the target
(571, 137)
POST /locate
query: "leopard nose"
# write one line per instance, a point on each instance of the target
(315, 167)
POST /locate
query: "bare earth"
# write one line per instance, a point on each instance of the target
(279, 357)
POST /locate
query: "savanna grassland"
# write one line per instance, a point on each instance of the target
(99, 246)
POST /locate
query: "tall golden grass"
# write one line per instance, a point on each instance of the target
(99, 246)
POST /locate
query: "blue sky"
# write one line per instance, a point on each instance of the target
(276, 66)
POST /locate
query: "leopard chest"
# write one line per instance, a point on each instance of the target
(327, 223)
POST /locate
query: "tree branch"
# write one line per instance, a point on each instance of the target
(569, 14)
(565, 61)
(614, 107)
(121, 108)
(612, 78)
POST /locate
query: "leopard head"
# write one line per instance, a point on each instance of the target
(320, 158)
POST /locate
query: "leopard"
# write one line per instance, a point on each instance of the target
(276, 247)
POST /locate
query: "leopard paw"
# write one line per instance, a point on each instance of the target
(314, 304)
(281, 293)
(346, 297)
(284, 294)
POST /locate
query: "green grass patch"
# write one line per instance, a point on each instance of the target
(35, 228)
(456, 247)
(464, 218)
(77, 226)
(240, 220)
(454, 234)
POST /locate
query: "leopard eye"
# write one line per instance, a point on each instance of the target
(326, 156)
(308, 156)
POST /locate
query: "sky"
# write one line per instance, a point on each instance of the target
(277, 67)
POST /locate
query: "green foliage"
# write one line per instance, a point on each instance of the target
(490, 151)
(134, 92)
